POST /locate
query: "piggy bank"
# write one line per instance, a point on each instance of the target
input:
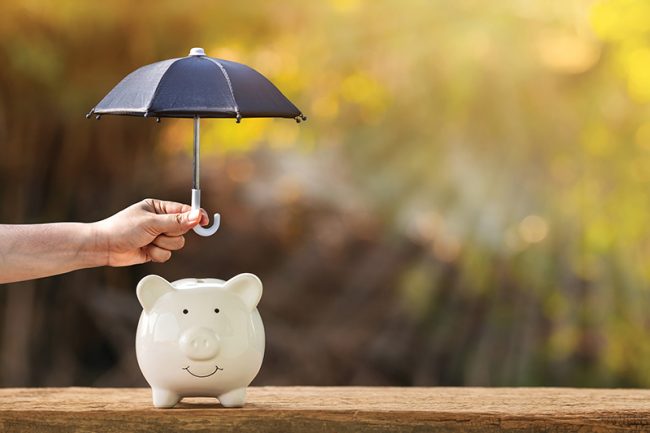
(199, 338)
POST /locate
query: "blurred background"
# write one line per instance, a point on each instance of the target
(467, 204)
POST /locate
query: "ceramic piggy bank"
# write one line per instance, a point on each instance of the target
(200, 338)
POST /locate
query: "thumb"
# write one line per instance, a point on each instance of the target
(179, 223)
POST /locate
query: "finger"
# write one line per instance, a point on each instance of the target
(163, 207)
(175, 224)
(205, 219)
(171, 243)
(157, 254)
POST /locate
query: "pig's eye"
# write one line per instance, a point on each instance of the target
(185, 311)
(216, 310)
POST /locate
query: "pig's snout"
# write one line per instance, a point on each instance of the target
(199, 344)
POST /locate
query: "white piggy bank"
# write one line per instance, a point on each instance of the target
(200, 338)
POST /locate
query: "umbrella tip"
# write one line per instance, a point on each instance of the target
(196, 51)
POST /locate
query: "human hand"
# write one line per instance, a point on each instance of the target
(146, 231)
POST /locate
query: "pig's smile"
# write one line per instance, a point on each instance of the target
(216, 368)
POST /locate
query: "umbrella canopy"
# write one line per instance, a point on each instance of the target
(197, 85)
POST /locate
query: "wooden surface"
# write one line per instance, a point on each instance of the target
(280, 409)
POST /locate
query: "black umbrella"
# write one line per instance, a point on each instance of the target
(197, 86)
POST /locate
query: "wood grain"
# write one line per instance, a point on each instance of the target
(326, 409)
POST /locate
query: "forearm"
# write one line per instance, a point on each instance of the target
(40, 250)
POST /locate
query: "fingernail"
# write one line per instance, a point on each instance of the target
(194, 215)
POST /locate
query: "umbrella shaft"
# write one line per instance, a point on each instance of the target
(197, 168)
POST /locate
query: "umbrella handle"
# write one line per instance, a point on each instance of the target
(196, 204)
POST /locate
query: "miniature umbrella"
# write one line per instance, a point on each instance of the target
(197, 86)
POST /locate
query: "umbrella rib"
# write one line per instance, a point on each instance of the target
(227, 77)
(155, 91)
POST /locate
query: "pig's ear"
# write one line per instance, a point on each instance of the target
(150, 288)
(248, 287)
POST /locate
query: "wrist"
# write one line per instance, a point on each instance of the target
(96, 246)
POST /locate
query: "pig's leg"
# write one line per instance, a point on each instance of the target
(234, 398)
(163, 398)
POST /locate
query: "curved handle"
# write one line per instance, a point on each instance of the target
(209, 231)
(196, 204)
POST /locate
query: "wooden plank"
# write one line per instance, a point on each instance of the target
(326, 409)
